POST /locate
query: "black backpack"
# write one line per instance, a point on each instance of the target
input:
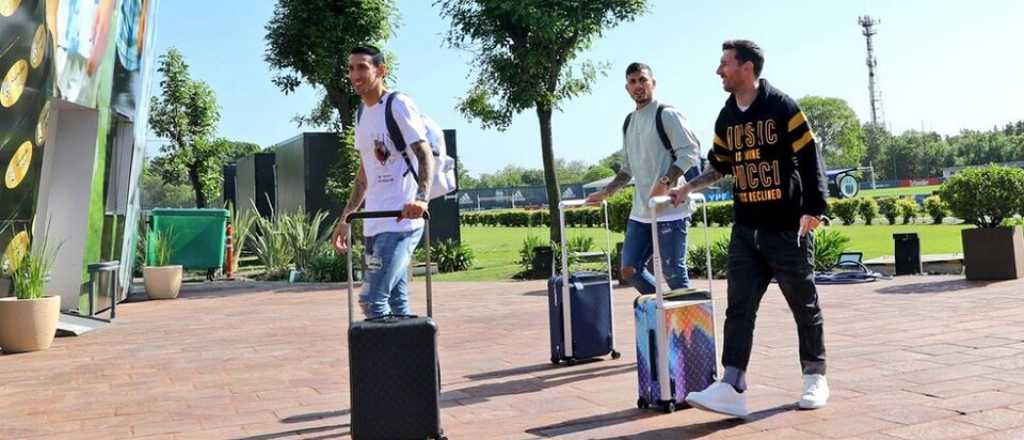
(691, 173)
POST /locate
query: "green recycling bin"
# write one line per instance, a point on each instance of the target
(197, 236)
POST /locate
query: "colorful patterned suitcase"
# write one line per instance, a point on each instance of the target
(675, 336)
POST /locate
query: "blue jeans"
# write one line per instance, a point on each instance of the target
(386, 284)
(637, 250)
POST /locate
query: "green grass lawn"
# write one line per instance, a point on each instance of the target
(497, 248)
(889, 192)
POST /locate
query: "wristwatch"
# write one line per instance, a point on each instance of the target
(664, 180)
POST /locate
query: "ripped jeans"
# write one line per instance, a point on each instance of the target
(637, 250)
(386, 284)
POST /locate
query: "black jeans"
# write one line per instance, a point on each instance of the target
(755, 256)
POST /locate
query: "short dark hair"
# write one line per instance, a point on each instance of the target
(747, 50)
(636, 67)
(376, 56)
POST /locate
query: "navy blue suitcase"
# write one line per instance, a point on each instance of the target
(586, 304)
(590, 317)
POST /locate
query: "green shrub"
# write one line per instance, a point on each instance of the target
(1013, 221)
(272, 245)
(327, 266)
(242, 222)
(29, 272)
(907, 208)
(162, 245)
(452, 256)
(936, 208)
(828, 244)
(526, 251)
(720, 213)
(888, 208)
(867, 207)
(619, 206)
(845, 210)
(303, 235)
(697, 258)
(540, 217)
(985, 196)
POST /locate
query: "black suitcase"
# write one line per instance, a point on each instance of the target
(394, 374)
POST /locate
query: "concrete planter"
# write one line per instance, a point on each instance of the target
(162, 282)
(993, 253)
(28, 324)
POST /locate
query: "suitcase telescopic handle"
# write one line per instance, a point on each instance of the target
(379, 214)
(387, 214)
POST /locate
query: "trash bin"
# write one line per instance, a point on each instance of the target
(197, 236)
(541, 264)
(103, 278)
(908, 253)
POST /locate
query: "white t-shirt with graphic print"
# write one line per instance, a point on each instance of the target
(388, 185)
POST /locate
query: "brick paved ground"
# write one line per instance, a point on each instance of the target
(914, 358)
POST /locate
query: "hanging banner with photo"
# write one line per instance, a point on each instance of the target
(82, 30)
(131, 37)
(25, 89)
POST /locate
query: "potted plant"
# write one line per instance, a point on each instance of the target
(28, 320)
(162, 280)
(985, 197)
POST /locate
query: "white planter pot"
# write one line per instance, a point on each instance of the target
(162, 282)
(28, 324)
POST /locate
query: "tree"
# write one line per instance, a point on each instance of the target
(158, 194)
(918, 155)
(220, 152)
(465, 180)
(309, 41)
(613, 161)
(596, 172)
(525, 51)
(837, 130)
(876, 138)
(185, 114)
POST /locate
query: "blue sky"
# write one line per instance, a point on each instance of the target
(943, 66)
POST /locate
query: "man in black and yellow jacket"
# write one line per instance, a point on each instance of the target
(764, 140)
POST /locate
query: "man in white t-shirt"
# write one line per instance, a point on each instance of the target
(388, 181)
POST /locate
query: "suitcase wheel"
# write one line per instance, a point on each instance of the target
(554, 360)
(616, 355)
(669, 407)
(641, 403)
(571, 361)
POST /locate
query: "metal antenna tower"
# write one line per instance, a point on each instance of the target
(875, 91)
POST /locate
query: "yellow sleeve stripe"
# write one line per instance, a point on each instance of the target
(803, 141)
(723, 157)
(720, 142)
(796, 120)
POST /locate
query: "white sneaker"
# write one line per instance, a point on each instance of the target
(721, 398)
(815, 392)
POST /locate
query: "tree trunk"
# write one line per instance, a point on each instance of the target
(340, 100)
(197, 186)
(550, 178)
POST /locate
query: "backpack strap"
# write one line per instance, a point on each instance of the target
(662, 133)
(689, 174)
(396, 135)
(625, 124)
